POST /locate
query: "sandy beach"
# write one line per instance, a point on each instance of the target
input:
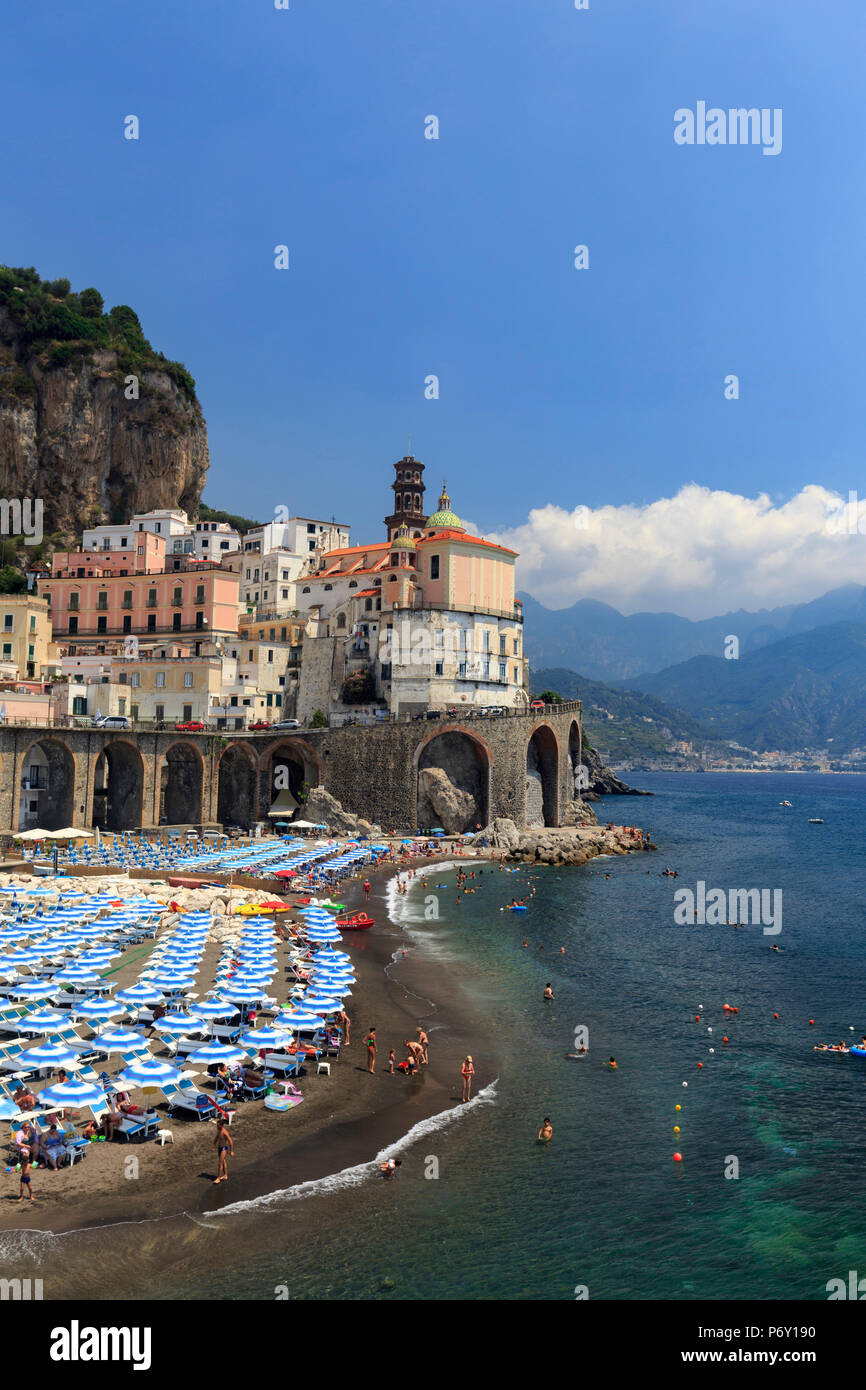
(346, 1118)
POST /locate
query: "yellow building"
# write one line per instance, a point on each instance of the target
(26, 637)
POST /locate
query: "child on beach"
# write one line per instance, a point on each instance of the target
(25, 1188)
(391, 1060)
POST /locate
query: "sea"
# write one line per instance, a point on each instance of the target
(764, 1202)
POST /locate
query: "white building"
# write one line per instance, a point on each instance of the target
(301, 535)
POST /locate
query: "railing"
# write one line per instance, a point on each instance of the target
(91, 634)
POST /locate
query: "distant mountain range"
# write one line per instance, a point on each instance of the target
(804, 691)
(625, 724)
(605, 645)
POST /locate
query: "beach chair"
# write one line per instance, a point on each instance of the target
(191, 1101)
(253, 1092)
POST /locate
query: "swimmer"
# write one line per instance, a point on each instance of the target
(572, 1056)
(390, 1166)
(548, 992)
(545, 1134)
(611, 1064)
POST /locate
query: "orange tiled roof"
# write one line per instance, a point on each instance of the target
(451, 535)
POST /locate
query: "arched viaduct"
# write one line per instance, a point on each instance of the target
(519, 765)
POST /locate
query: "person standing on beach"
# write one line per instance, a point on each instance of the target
(366, 888)
(371, 1046)
(467, 1071)
(24, 1186)
(391, 1060)
(224, 1146)
(425, 1045)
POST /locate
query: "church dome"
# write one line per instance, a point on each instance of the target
(444, 519)
(402, 540)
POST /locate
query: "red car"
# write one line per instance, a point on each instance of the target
(192, 726)
(537, 704)
(259, 724)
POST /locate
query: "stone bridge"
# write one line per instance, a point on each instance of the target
(519, 765)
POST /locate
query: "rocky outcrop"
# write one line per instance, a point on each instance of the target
(579, 812)
(502, 834)
(93, 421)
(441, 803)
(563, 845)
(602, 780)
(325, 809)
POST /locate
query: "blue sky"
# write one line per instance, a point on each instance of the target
(412, 256)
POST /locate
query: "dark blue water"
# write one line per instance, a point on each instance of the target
(604, 1206)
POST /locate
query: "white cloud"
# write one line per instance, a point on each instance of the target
(699, 553)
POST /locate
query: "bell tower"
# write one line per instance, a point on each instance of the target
(408, 488)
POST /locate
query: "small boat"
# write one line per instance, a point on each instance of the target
(359, 921)
(786, 803)
(332, 907)
(815, 820)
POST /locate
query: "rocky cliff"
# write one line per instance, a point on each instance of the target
(92, 420)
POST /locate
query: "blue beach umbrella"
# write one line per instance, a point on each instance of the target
(149, 1071)
(33, 989)
(215, 1052)
(244, 994)
(261, 1039)
(140, 994)
(42, 1022)
(73, 1095)
(299, 1020)
(319, 1005)
(121, 1040)
(215, 1008)
(178, 1025)
(51, 1055)
(97, 1009)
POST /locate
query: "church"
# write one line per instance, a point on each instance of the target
(423, 620)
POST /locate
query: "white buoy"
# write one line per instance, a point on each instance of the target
(709, 1030)
(712, 1050)
(685, 1085)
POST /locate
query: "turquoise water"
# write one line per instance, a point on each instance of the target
(604, 1206)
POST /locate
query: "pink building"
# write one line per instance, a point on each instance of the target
(146, 557)
(87, 608)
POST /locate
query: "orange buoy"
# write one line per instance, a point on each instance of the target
(676, 1129)
(724, 1040)
(678, 1107)
(697, 1018)
(678, 1158)
(700, 1064)
(775, 1015)
(811, 1023)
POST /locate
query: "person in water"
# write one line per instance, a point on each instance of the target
(548, 992)
(545, 1134)
(612, 1064)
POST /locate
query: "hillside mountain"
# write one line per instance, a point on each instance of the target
(805, 691)
(69, 432)
(609, 646)
(626, 724)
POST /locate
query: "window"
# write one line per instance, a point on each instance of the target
(439, 669)
(139, 550)
(121, 705)
(515, 675)
(188, 678)
(461, 670)
(135, 678)
(516, 647)
(127, 623)
(151, 622)
(32, 622)
(502, 673)
(368, 605)
(159, 712)
(151, 598)
(305, 590)
(434, 566)
(502, 640)
(133, 713)
(7, 649)
(175, 621)
(256, 575)
(233, 700)
(187, 713)
(101, 624)
(269, 700)
(285, 593)
(311, 528)
(160, 680)
(353, 584)
(486, 640)
(73, 624)
(177, 597)
(127, 598)
(199, 594)
(270, 655)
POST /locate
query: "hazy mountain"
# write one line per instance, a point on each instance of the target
(608, 646)
(805, 690)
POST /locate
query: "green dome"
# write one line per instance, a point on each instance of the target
(444, 519)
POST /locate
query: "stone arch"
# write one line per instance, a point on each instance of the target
(575, 748)
(452, 782)
(181, 784)
(542, 779)
(118, 786)
(237, 793)
(48, 767)
(289, 764)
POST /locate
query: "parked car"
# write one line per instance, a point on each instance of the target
(112, 721)
(191, 726)
(433, 714)
(287, 724)
(537, 704)
(258, 725)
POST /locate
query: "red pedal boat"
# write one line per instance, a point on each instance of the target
(358, 921)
